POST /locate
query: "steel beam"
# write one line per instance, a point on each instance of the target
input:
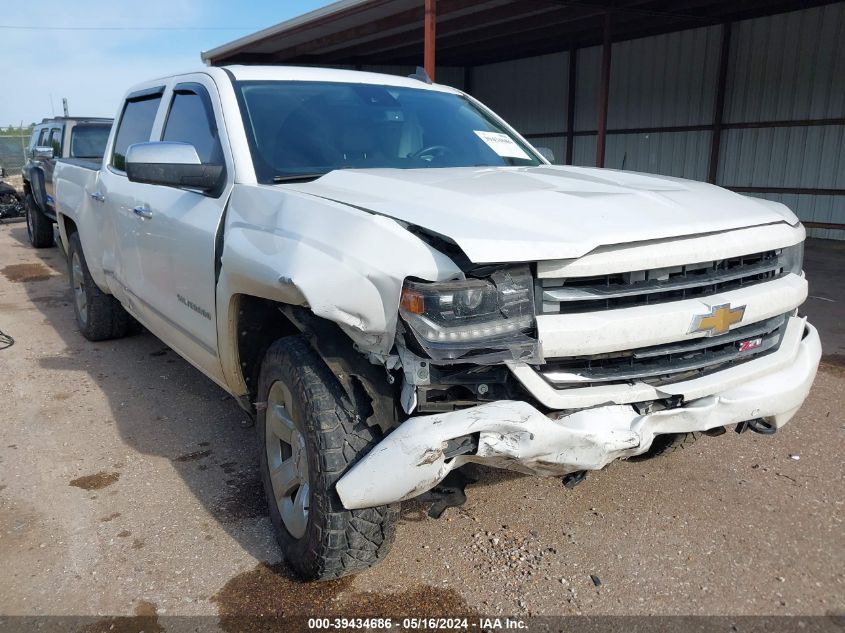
(604, 89)
(430, 37)
(570, 104)
(719, 103)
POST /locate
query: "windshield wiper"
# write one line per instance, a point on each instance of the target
(299, 177)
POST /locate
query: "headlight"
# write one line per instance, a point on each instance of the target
(473, 319)
(792, 258)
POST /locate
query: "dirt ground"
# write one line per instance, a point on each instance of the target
(128, 487)
(15, 181)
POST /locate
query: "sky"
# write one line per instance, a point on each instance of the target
(94, 68)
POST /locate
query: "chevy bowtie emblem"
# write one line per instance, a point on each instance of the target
(718, 321)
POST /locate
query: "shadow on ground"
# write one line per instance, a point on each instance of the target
(162, 406)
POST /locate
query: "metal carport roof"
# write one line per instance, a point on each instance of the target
(472, 32)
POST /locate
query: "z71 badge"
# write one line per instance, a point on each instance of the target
(753, 343)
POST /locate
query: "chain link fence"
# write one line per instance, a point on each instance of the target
(13, 152)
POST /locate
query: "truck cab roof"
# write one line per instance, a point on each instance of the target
(75, 119)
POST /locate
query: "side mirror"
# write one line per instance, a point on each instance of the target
(172, 165)
(546, 153)
(42, 152)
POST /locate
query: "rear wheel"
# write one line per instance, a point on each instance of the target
(98, 315)
(309, 436)
(39, 228)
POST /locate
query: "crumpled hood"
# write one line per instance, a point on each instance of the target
(515, 214)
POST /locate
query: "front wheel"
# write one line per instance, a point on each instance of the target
(309, 436)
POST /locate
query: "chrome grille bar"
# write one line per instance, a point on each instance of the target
(645, 287)
(593, 293)
(672, 362)
(741, 334)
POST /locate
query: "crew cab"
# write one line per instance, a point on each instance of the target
(75, 138)
(395, 284)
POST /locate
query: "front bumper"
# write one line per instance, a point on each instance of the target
(516, 436)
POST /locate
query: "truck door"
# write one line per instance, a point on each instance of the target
(177, 230)
(114, 194)
(49, 164)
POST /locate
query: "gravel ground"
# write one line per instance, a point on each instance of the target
(128, 487)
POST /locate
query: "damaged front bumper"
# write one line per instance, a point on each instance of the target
(516, 436)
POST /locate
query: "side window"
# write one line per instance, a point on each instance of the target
(89, 141)
(191, 120)
(42, 137)
(56, 141)
(136, 124)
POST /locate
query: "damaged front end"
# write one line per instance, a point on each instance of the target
(455, 338)
(515, 435)
(483, 320)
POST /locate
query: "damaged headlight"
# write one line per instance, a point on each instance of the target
(792, 258)
(477, 320)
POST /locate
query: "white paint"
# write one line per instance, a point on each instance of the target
(676, 251)
(520, 214)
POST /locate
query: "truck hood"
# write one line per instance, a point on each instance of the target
(517, 214)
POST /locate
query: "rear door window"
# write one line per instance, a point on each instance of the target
(89, 141)
(135, 126)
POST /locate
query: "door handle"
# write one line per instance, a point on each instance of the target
(143, 211)
(99, 197)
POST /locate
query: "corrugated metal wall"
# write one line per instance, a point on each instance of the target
(510, 87)
(785, 67)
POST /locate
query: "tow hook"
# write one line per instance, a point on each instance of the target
(449, 493)
(758, 425)
(573, 479)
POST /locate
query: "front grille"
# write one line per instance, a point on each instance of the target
(672, 362)
(658, 285)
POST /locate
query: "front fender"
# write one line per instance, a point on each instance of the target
(345, 264)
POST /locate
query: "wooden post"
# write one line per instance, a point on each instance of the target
(430, 36)
(719, 103)
(570, 104)
(604, 91)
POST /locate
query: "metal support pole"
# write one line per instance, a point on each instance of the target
(604, 91)
(719, 103)
(570, 104)
(430, 36)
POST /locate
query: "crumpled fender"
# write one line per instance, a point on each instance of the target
(345, 264)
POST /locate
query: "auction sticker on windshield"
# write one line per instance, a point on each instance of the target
(502, 144)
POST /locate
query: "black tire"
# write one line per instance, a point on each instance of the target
(99, 316)
(39, 227)
(336, 541)
(671, 442)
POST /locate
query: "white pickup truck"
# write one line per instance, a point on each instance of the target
(394, 283)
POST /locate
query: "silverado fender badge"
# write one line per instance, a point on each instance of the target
(718, 321)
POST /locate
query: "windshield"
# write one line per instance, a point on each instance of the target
(299, 128)
(89, 141)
